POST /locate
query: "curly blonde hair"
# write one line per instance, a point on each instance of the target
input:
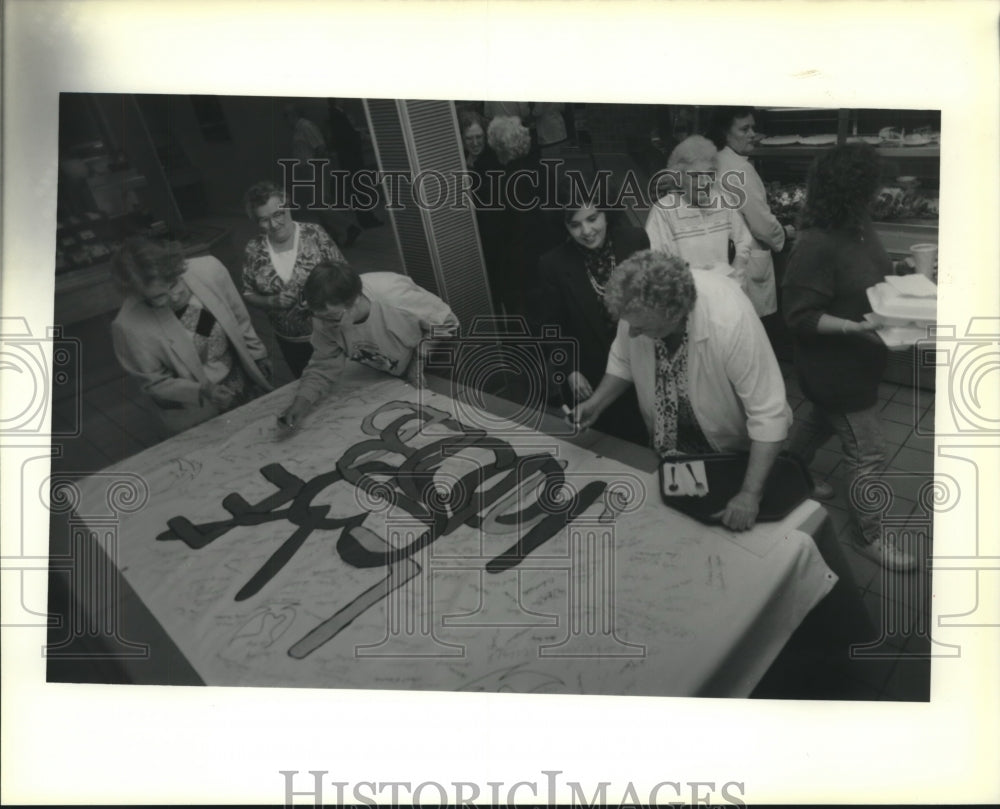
(508, 137)
(651, 279)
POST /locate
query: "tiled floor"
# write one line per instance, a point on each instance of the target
(898, 604)
(117, 422)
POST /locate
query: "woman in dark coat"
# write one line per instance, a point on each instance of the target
(572, 277)
(524, 195)
(486, 184)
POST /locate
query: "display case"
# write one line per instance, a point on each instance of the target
(906, 210)
(119, 175)
(907, 140)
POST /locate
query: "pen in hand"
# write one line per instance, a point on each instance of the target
(569, 416)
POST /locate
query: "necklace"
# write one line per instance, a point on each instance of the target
(597, 285)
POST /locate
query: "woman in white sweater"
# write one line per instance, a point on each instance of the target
(732, 131)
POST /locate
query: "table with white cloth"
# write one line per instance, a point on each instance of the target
(406, 539)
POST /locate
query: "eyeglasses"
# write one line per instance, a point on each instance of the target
(277, 218)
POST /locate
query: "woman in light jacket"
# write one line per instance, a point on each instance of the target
(184, 334)
(732, 131)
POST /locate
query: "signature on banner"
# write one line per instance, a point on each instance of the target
(501, 493)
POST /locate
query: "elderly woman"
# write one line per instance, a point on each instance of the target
(838, 357)
(276, 265)
(702, 367)
(573, 277)
(732, 131)
(524, 231)
(184, 333)
(696, 223)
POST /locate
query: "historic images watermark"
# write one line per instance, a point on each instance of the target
(523, 189)
(545, 790)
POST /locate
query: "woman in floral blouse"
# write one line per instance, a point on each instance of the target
(276, 265)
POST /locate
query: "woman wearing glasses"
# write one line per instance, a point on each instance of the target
(184, 334)
(276, 265)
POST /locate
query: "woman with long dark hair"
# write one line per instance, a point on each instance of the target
(572, 277)
(838, 357)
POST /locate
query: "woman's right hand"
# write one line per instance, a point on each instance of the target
(862, 329)
(585, 413)
(218, 396)
(284, 300)
(580, 387)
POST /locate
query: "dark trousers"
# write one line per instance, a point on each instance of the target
(296, 355)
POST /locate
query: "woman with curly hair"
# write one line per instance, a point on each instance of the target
(184, 334)
(706, 377)
(275, 267)
(839, 359)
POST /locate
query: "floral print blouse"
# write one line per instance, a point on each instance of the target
(260, 277)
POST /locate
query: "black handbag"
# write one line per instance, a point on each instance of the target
(788, 485)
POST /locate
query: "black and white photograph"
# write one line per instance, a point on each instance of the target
(379, 397)
(487, 269)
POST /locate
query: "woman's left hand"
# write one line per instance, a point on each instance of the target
(740, 513)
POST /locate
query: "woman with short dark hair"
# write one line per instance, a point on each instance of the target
(184, 333)
(380, 319)
(838, 357)
(275, 266)
(573, 277)
(732, 131)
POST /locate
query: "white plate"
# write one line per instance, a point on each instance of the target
(915, 285)
(779, 140)
(897, 337)
(898, 310)
(916, 140)
(818, 140)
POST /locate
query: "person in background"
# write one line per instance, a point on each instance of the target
(523, 111)
(346, 142)
(308, 144)
(519, 109)
(694, 223)
(550, 126)
(486, 184)
(479, 156)
(525, 235)
(839, 359)
(706, 377)
(573, 277)
(184, 334)
(732, 131)
(275, 267)
(380, 319)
